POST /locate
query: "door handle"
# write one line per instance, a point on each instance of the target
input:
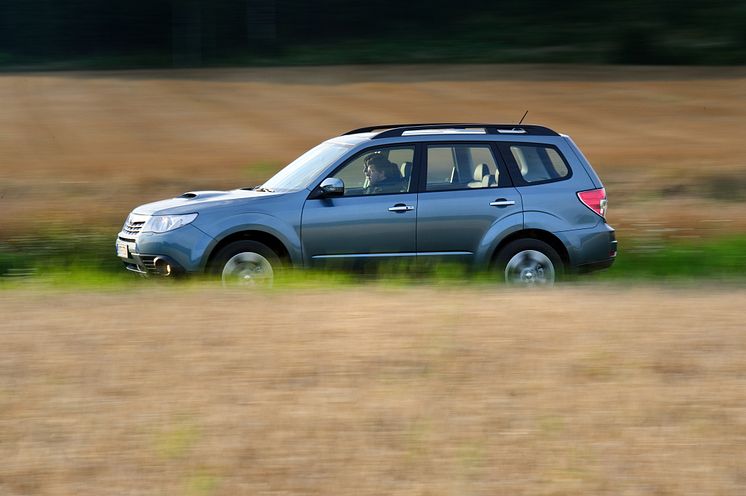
(400, 207)
(502, 202)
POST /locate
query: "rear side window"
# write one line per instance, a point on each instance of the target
(461, 166)
(539, 163)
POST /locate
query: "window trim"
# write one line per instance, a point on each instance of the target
(500, 164)
(515, 170)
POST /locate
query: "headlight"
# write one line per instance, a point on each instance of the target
(163, 223)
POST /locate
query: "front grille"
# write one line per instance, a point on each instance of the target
(134, 224)
(133, 227)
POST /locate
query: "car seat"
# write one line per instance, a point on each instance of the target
(406, 175)
(481, 176)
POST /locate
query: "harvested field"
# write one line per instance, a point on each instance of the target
(85, 148)
(373, 391)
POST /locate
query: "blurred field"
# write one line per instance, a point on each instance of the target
(82, 149)
(368, 389)
(373, 391)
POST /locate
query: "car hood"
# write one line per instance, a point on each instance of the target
(195, 201)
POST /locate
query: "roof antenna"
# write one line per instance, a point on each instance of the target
(524, 116)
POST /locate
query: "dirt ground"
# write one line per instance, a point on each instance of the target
(83, 149)
(370, 391)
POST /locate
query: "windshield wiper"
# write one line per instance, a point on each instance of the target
(263, 189)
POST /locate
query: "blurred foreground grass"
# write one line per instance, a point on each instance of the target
(373, 390)
(65, 258)
(696, 258)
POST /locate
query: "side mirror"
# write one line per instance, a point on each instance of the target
(332, 186)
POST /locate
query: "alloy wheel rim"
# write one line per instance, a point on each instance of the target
(247, 269)
(530, 268)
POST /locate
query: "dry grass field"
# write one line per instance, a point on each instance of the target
(82, 149)
(373, 391)
(368, 389)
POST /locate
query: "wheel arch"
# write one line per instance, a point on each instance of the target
(270, 240)
(545, 236)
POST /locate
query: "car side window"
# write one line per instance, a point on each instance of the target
(461, 166)
(378, 171)
(538, 163)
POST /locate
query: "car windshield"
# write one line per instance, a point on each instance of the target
(302, 171)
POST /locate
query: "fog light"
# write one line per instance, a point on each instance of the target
(163, 267)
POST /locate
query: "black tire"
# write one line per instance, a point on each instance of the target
(246, 263)
(527, 267)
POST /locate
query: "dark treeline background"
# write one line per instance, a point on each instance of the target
(163, 33)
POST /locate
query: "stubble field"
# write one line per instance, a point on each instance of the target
(83, 149)
(373, 391)
(368, 389)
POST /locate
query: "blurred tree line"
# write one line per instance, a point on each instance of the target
(161, 33)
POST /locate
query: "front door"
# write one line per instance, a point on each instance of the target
(376, 218)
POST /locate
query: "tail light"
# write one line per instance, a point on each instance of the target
(595, 199)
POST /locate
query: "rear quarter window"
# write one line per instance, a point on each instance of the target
(539, 163)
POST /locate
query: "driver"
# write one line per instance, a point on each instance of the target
(383, 175)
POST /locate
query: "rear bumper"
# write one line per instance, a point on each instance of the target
(590, 249)
(594, 266)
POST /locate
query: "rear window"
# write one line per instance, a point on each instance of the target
(539, 163)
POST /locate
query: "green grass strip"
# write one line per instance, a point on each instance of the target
(88, 260)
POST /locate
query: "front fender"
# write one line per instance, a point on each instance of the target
(223, 227)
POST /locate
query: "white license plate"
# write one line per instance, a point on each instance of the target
(122, 250)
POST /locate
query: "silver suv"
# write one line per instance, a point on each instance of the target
(520, 200)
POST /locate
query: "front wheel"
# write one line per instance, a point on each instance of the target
(246, 263)
(529, 262)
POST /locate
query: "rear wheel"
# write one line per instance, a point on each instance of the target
(246, 263)
(529, 262)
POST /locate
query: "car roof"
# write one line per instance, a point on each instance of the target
(449, 128)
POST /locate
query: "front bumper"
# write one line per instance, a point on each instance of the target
(183, 249)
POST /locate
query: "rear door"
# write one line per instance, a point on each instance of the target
(466, 199)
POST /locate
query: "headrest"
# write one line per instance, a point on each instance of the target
(406, 169)
(480, 171)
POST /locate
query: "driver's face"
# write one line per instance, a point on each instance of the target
(374, 175)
